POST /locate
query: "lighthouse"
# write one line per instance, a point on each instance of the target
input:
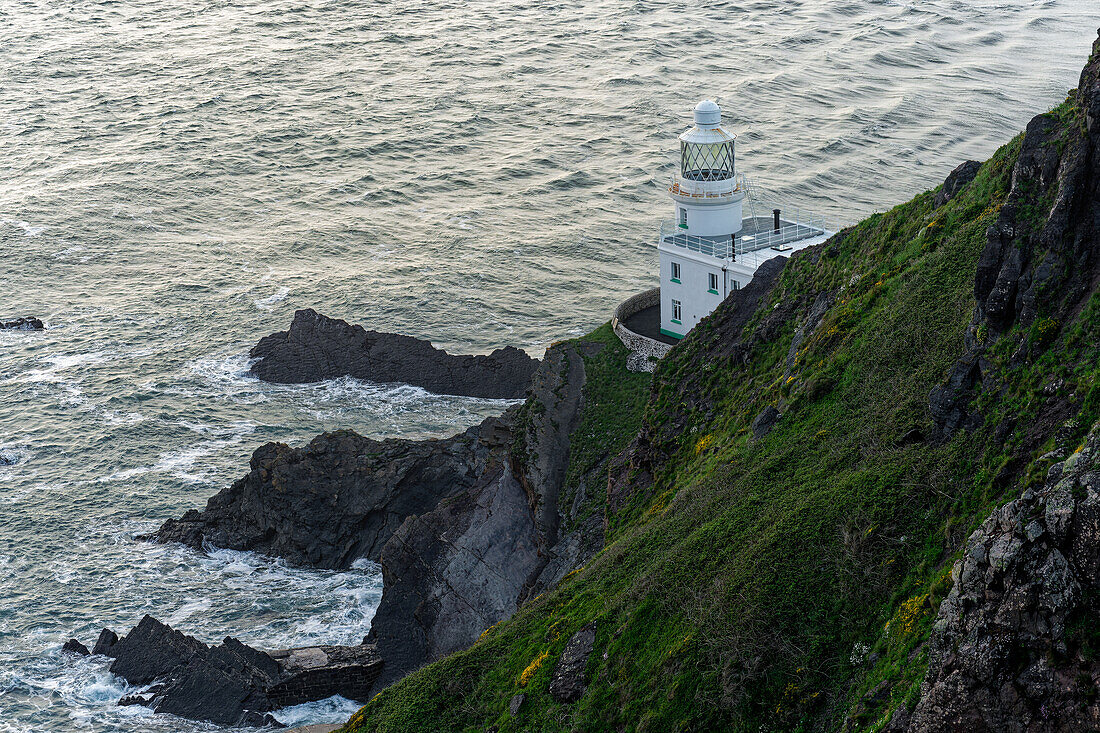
(711, 247)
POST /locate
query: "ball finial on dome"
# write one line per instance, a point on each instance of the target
(708, 114)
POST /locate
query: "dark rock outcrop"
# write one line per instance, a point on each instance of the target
(763, 423)
(23, 324)
(957, 180)
(1007, 649)
(341, 497)
(75, 647)
(318, 347)
(1042, 254)
(105, 643)
(452, 573)
(232, 683)
(466, 529)
(471, 562)
(568, 682)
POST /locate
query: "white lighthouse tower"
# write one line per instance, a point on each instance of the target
(710, 247)
(706, 192)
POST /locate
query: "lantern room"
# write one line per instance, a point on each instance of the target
(707, 191)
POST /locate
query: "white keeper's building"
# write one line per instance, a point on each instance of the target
(711, 246)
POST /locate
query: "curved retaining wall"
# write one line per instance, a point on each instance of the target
(644, 351)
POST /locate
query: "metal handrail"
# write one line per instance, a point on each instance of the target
(752, 248)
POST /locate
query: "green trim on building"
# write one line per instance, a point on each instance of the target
(675, 280)
(673, 335)
(712, 290)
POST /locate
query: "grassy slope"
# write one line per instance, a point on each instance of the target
(745, 590)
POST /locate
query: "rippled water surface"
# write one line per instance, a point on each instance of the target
(177, 177)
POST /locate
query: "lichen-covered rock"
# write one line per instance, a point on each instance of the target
(1005, 652)
(317, 347)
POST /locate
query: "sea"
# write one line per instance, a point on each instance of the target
(177, 177)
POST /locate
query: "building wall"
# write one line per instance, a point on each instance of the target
(696, 300)
(711, 220)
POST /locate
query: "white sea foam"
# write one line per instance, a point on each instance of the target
(29, 230)
(269, 302)
(335, 709)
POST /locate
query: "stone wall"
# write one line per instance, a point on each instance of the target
(644, 351)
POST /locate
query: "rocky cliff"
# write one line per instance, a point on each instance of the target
(341, 497)
(465, 528)
(317, 347)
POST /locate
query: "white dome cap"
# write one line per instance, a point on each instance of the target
(707, 114)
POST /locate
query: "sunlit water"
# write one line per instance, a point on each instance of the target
(177, 177)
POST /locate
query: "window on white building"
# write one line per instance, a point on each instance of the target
(712, 282)
(675, 272)
(676, 311)
(684, 218)
(734, 285)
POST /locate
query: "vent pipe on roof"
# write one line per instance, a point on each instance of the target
(775, 215)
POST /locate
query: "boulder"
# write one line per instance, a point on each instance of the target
(956, 181)
(317, 347)
(75, 647)
(105, 644)
(27, 323)
(568, 682)
(763, 423)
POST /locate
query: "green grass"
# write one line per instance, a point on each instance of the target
(746, 587)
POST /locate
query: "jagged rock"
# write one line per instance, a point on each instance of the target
(232, 683)
(568, 682)
(452, 573)
(75, 647)
(341, 497)
(956, 181)
(317, 347)
(465, 528)
(763, 423)
(1003, 654)
(105, 644)
(1043, 249)
(516, 703)
(27, 323)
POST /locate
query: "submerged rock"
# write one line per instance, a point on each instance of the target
(232, 683)
(27, 323)
(317, 347)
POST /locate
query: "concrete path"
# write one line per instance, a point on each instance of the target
(322, 728)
